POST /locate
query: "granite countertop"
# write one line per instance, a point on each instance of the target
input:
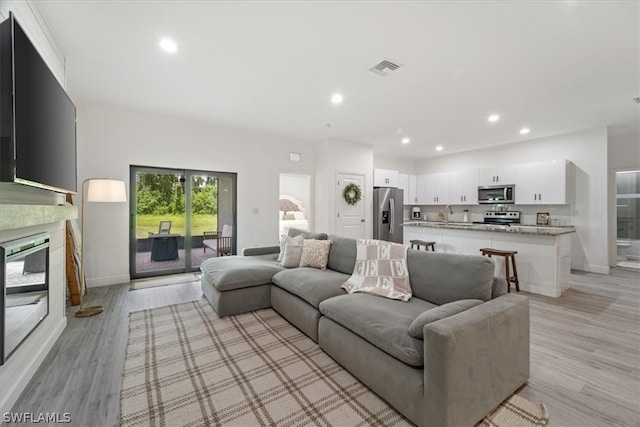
(518, 229)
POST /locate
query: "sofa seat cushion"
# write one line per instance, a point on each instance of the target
(381, 321)
(235, 272)
(311, 284)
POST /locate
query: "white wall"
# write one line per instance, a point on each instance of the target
(381, 161)
(331, 158)
(587, 149)
(16, 373)
(110, 140)
(623, 153)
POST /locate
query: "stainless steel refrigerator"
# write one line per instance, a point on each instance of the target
(387, 214)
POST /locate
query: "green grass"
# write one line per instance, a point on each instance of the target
(149, 224)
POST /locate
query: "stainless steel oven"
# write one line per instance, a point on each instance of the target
(24, 301)
(497, 194)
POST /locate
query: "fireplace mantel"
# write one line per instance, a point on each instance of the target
(19, 216)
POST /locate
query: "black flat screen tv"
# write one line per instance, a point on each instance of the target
(37, 117)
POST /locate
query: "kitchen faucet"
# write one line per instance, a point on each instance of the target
(447, 210)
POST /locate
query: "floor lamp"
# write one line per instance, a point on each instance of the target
(101, 190)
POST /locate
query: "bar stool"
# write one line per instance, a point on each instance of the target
(508, 255)
(424, 243)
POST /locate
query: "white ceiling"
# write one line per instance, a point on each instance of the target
(553, 66)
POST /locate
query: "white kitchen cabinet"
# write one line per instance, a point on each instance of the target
(421, 189)
(408, 184)
(463, 187)
(403, 184)
(385, 178)
(541, 183)
(437, 188)
(497, 175)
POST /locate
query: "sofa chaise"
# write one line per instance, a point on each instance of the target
(451, 372)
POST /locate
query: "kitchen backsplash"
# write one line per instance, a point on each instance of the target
(558, 214)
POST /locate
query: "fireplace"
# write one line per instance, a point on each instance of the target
(24, 302)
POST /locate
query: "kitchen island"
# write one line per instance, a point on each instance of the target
(544, 253)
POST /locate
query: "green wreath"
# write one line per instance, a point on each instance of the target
(352, 194)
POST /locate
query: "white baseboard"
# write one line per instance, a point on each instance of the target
(590, 268)
(539, 289)
(107, 281)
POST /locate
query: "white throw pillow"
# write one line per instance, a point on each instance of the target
(380, 269)
(315, 253)
(292, 252)
(298, 215)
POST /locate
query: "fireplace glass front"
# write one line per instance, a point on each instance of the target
(25, 289)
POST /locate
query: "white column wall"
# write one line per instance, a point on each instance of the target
(16, 373)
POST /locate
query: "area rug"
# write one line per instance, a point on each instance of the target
(185, 366)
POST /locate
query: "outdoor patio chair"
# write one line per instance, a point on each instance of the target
(218, 242)
(164, 227)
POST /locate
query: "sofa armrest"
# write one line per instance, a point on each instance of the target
(499, 287)
(474, 360)
(261, 250)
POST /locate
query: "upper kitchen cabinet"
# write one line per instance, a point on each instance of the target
(385, 178)
(541, 183)
(463, 187)
(497, 175)
(421, 190)
(408, 184)
(437, 186)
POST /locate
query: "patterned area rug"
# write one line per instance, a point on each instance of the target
(185, 366)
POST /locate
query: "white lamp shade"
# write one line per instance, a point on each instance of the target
(106, 190)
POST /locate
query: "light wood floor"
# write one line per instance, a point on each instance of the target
(585, 353)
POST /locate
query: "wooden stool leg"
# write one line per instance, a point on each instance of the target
(515, 273)
(506, 270)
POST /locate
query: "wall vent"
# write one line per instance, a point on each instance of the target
(384, 68)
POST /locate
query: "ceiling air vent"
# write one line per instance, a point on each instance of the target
(384, 68)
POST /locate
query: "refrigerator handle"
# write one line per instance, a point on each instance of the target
(392, 217)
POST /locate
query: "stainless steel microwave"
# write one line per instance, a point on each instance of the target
(496, 194)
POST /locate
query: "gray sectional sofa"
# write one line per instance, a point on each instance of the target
(461, 369)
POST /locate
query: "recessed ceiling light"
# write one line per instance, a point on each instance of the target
(524, 131)
(406, 140)
(168, 45)
(493, 118)
(439, 148)
(337, 98)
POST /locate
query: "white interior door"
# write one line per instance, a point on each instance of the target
(350, 218)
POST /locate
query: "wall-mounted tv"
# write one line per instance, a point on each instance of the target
(37, 117)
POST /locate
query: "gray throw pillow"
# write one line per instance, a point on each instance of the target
(440, 312)
(293, 232)
(292, 252)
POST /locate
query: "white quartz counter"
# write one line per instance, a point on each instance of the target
(516, 228)
(544, 253)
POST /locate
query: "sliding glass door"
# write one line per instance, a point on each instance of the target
(179, 218)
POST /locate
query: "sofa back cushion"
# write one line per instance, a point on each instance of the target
(442, 278)
(342, 256)
(293, 232)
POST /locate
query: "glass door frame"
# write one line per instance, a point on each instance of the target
(188, 175)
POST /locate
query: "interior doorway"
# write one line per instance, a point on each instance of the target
(179, 218)
(628, 218)
(294, 203)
